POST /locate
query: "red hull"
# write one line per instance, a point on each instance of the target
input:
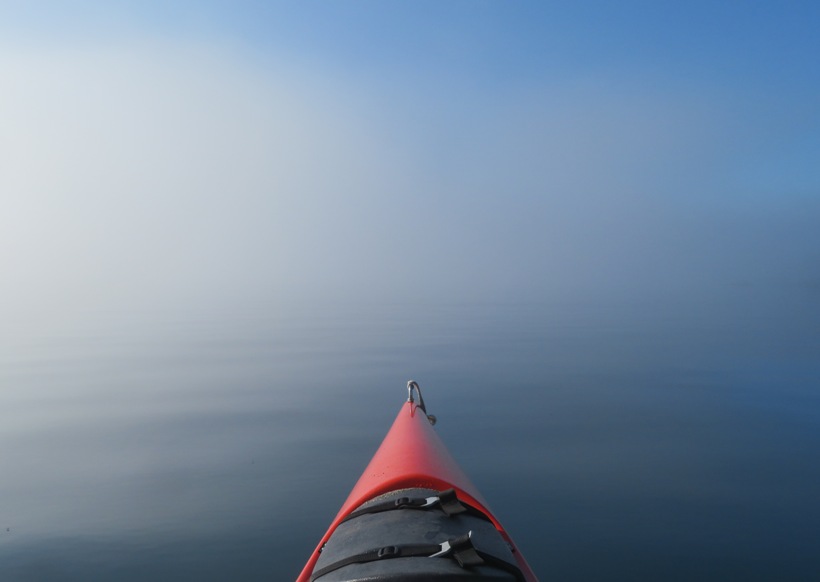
(412, 455)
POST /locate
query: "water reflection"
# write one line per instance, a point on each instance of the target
(220, 449)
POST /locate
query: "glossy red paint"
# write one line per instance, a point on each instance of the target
(412, 455)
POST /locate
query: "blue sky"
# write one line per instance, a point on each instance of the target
(728, 42)
(205, 155)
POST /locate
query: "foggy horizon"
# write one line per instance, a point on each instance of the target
(162, 174)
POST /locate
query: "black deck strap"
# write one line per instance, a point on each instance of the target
(384, 553)
(448, 502)
(460, 549)
(400, 503)
(464, 552)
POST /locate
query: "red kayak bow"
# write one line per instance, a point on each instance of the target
(413, 458)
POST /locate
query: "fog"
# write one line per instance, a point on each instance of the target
(230, 233)
(184, 177)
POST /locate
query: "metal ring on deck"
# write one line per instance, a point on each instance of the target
(410, 386)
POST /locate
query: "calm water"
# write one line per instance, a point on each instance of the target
(619, 444)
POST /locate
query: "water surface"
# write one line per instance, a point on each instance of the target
(615, 444)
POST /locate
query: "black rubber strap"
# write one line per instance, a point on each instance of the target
(400, 503)
(384, 553)
(467, 555)
(461, 549)
(448, 502)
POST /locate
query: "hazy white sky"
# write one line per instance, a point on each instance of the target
(194, 159)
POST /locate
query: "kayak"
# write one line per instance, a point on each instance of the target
(414, 515)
